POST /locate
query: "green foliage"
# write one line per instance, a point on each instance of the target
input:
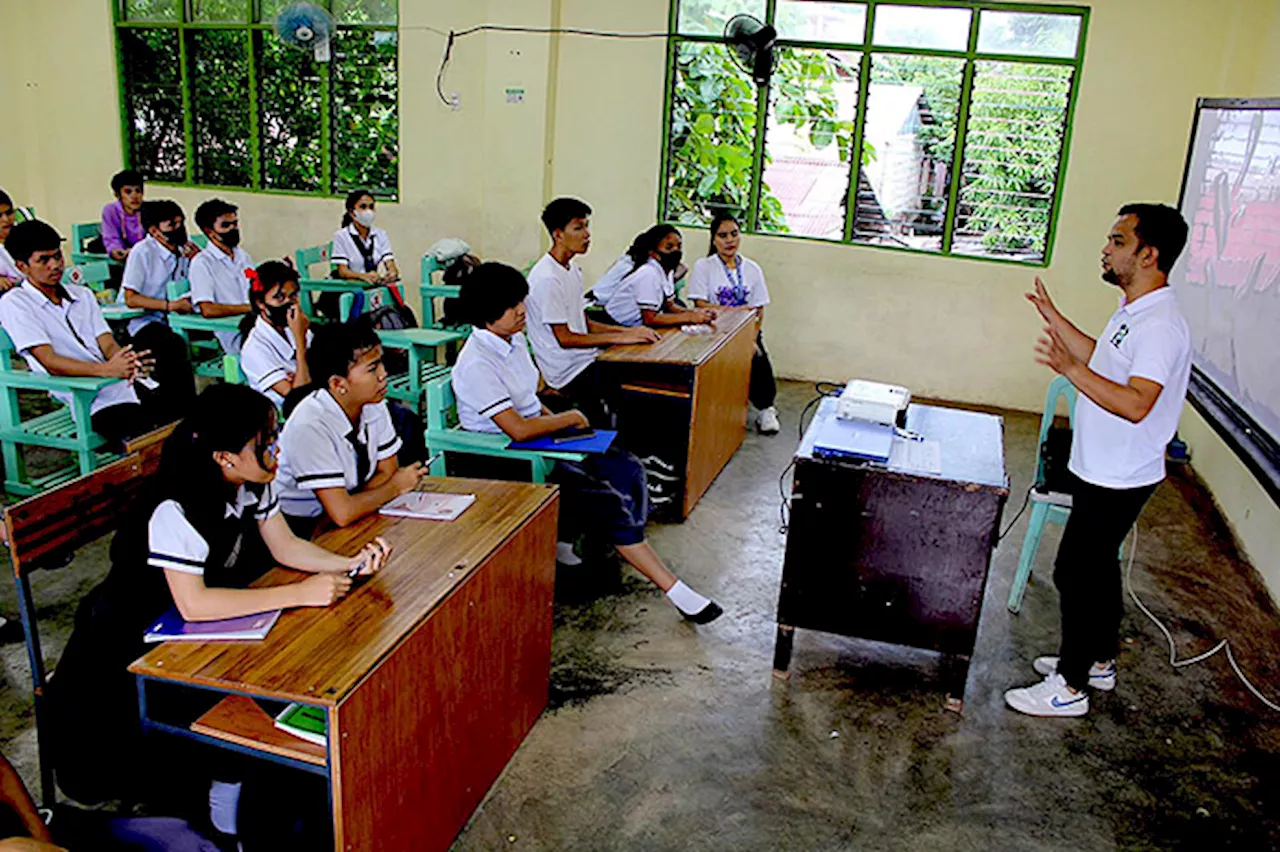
(218, 11)
(366, 127)
(153, 98)
(151, 10)
(290, 116)
(219, 74)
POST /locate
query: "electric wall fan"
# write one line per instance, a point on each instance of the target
(752, 43)
(306, 26)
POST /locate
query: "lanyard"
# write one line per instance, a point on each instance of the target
(738, 291)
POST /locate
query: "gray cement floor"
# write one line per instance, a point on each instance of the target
(664, 736)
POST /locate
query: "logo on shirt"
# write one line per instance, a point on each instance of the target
(1121, 333)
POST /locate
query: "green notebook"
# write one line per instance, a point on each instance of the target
(305, 721)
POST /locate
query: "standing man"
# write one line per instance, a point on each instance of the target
(1132, 382)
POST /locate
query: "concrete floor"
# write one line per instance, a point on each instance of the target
(664, 736)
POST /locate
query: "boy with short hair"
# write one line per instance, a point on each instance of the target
(219, 287)
(122, 227)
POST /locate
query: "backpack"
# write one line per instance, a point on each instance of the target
(394, 316)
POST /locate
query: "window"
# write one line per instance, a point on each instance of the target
(940, 128)
(211, 96)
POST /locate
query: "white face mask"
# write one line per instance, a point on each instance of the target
(364, 217)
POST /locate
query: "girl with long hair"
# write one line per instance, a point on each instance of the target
(276, 333)
(647, 294)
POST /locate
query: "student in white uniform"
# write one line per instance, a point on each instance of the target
(9, 275)
(362, 252)
(647, 294)
(724, 278)
(602, 290)
(1132, 382)
(218, 285)
(60, 331)
(273, 355)
(495, 384)
(339, 445)
(148, 269)
(566, 343)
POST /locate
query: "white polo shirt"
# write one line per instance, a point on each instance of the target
(603, 288)
(711, 280)
(8, 268)
(316, 453)
(1146, 339)
(647, 288)
(174, 544)
(147, 271)
(347, 252)
(71, 328)
(267, 356)
(217, 277)
(492, 375)
(555, 298)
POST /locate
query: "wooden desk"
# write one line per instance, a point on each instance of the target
(431, 673)
(684, 400)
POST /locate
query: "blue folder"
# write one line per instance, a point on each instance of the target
(597, 443)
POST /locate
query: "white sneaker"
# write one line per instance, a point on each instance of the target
(565, 554)
(767, 422)
(1101, 675)
(1049, 697)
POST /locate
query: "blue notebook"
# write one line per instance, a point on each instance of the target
(247, 628)
(597, 443)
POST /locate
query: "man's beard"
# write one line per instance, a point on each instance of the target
(1112, 277)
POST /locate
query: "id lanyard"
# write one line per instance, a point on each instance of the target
(738, 291)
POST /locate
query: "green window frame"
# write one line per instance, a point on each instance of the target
(991, 182)
(310, 127)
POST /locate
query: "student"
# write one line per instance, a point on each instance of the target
(148, 269)
(276, 335)
(60, 331)
(724, 278)
(218, 285)
(602, 290)
(647, 294)
(9, 275)
(122, 226)
(495, 384)
(18, 815)
(1132, 381)
(362, 252)
(207, 527)
(339, 444)
(566, 343)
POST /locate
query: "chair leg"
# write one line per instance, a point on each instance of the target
(15, 463)
(1030, 544)
(27, 610)
(80, 407)
(540, 470)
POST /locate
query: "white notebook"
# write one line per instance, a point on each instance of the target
(429, 506)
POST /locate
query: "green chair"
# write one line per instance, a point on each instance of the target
(308, 287)
(82, 234)
(67, 427)
(200, 240)
(24, 214)
(444, 436)
(430, 291)
(93, 274)
(206, 355)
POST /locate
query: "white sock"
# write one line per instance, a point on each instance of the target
(224, 801)
(565, 554)
(686, 599)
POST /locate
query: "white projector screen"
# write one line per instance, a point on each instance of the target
(1228, 279)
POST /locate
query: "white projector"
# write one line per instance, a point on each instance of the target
(873, 402)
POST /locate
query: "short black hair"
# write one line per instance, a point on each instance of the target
(335, 347)
(128, 177)
(155, 212)
(486, 293)
(5, 199)
(208, 212)
(27, 238)
(1161, 227)
(560, 212)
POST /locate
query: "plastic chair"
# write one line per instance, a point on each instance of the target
(430, 291)
(82, 234)
(206, 355)
(308, 286)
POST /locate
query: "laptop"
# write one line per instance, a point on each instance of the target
(853, 439)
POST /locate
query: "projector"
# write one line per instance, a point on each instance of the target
(874, 402)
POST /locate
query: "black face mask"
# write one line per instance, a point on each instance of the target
(278, 315)
(231, 238)
(670, 259)
(177, 238)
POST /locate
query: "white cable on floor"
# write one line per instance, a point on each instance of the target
(1173, 655)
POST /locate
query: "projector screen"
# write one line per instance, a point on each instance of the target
(1228, 279)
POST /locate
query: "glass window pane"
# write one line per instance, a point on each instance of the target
(1025, 34)
(365, 11)
(218, 11)
(712, 142)
(153, 102)
(365, 122)
(813, 103)
(289, 118)
(269, 9)
(708, 17)
(218, 78)
(152, 10)
(1012, 154)
(908, 142)
(930, 27)
(806, 20)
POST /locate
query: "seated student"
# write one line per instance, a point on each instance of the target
(60, 331)
(122, 226)
(724, 278)
(339, 445)
(149, 268)
(602, 290)
(18, 815)
(218, 285)
(206, 528)
(647, 294)
(9, 274)
(276, 335)
(495, 385)
(362, 252)
(566, 343)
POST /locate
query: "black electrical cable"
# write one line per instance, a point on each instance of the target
(785, 505)
(1025, 501)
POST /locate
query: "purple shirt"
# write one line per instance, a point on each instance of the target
(119, 229)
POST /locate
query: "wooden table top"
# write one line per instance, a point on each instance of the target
(676, 347)
(316, 655)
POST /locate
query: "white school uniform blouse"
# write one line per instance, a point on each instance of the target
(173, 542)
(647, 288)
(217, 277)
(8, 268)
(1147, 339)
(711, 280)
(555, 298)
(345, 250)
(147, 271)
(267, 356)
(72, 329)
(603, 288)
(492, 375)
(316, 453)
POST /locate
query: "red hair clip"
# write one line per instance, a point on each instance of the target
(255, 283)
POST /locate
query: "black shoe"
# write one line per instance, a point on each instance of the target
(11, 631)
(706, 615)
